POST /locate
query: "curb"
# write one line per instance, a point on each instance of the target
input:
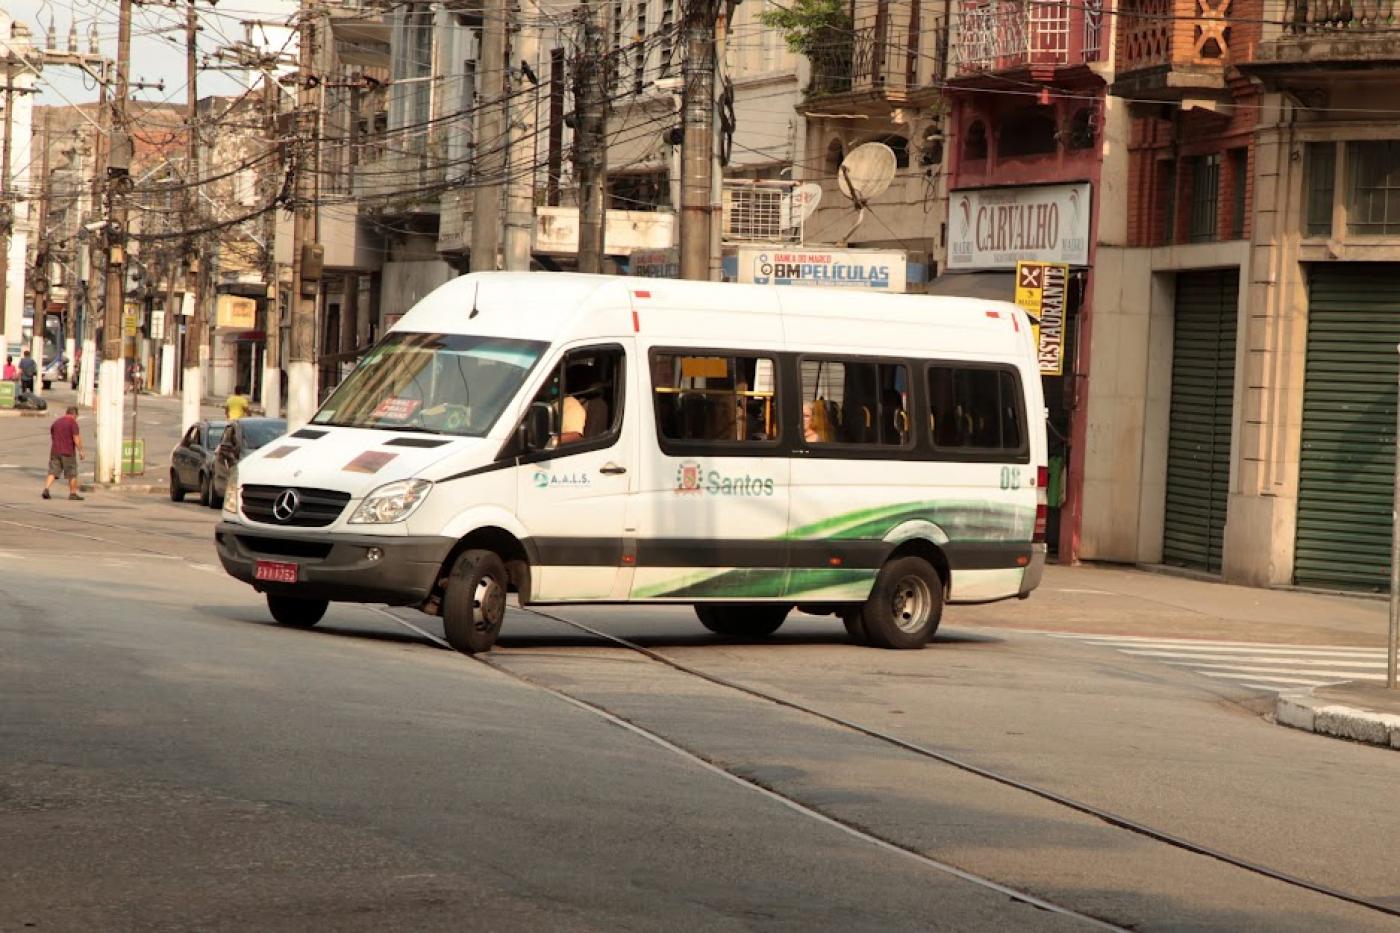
(132, 488)
(1301, 710)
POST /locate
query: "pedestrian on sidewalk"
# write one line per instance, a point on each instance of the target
(28, 369)
(65, 450)
(10, 374)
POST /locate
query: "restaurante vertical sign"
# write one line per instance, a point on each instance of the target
(1041, 291)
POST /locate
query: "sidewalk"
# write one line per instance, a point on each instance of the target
(1094, 599)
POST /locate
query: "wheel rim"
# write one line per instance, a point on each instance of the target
(911, 604)
(489, 600)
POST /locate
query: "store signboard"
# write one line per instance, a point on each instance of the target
(655, 263)
(877, 269)
(995, 228)
(1042, 289)
(235, 311)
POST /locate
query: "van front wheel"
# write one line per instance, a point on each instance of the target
(474, 601)
(754, 621)
(904, 608)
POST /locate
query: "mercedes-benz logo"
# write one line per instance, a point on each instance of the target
(285, 505)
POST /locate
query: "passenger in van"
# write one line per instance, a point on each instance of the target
(816, 422)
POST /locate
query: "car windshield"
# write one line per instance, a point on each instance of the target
(213, 434)
(258, 433)
(439, 383)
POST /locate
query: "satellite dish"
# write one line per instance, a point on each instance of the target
(805, 199)
(866, 172)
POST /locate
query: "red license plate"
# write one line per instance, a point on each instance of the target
(275, 570)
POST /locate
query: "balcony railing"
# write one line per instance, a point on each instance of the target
(1149, 34)
(892, 51)
(1008, 35)
(1312, 17)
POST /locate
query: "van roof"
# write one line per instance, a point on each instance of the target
(551, 305)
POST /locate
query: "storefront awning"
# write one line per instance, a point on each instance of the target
(995, 286)
(245, 336)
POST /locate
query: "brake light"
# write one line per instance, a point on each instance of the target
(1042, 477)
(1042, 516)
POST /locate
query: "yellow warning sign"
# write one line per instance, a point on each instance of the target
(1042, 289)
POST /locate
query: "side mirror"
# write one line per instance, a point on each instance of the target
(537, 426)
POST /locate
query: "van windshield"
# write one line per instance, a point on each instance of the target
(438, 383)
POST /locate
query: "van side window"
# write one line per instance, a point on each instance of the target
(855, 402)
(584, 394)
(975, 408)
(711, 397)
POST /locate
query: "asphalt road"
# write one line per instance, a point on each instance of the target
(173, 760)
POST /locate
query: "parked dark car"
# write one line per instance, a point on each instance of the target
(192, 460)
(241, 438)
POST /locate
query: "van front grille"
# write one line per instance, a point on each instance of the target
(314, 508)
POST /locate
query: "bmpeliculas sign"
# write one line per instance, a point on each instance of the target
(994, 228)
(1041, 290)
(842, 268)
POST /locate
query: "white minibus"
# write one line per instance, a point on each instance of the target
(748, 450)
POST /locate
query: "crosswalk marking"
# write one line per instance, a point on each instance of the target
(1255, 665)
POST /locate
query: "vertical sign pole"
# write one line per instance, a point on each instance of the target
(1393, 646)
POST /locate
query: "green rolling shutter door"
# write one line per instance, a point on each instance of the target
(1198, 442)
(1348, 445)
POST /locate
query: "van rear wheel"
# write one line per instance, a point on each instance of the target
(904, 607)
(753, 621)
(474, 601)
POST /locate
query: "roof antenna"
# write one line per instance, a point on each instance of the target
(476, 291)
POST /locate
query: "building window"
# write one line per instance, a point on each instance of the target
(1373, 187)
(714, 398)
(1029, 131)
(1081, 129)
(899, 146)
(1321, 168)
(979, 409)
(1166, 193)
(639, 54)
(854, 403)
(668, 39)
(1205, 198)
(975, 145)
(649, 191)
(1239, 178)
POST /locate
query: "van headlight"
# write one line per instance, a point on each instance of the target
(230, 509)
(392, 502)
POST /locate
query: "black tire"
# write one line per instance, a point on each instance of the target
(177, 492)
(855, 628)
(203, 489)
(904, 607)
(756, 620)
(216, 501)
(295, 611)
(474, 601)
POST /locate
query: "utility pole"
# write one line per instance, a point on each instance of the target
(41, 260)
(491, 155)
(306, 252)
(192, 386)
(87, 372)
(272, 323)
(591, 94)
(698, 142)
(112, 374)
(520, 189)
(7, 201)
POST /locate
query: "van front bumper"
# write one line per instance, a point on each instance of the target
(337, 567)
(1034, 571)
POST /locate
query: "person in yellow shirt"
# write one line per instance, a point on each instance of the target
(236, 405)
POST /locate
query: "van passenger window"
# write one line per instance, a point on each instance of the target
(711, 397)
(584, 394)
(975, 408)
(855, 402)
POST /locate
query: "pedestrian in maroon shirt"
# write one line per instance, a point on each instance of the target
(65, 450)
